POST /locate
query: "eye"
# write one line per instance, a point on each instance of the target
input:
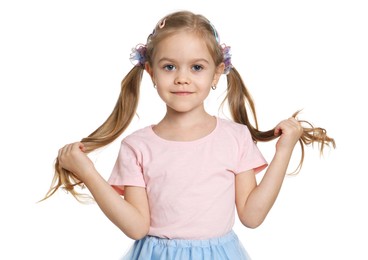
(197, 67)
(169, 67)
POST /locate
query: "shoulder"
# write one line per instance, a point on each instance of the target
(233, 128)
(139, 136)
(143, 132)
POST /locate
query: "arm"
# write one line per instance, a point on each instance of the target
(254, 201)
(131, 214)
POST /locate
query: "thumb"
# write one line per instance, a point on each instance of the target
(82, 147)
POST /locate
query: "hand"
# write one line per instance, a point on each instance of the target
(73, 158)
(289, 131)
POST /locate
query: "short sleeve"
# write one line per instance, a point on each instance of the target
(127, 170)
(250, 157)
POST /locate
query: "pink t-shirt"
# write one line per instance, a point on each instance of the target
(190, 185)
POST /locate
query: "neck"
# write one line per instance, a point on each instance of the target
(187, 119)
(185, 126)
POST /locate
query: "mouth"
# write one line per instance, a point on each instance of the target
(182, 93)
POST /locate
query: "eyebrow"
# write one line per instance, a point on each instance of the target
(173, 60)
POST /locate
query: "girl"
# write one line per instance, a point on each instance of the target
(182, 178)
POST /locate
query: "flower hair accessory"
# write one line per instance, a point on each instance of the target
(227, 58)
(138, 55)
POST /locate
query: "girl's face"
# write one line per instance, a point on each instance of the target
(183, 71)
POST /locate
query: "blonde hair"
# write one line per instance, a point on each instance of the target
(238, 98)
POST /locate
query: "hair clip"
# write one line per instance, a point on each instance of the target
(162, 24)
(217, 37)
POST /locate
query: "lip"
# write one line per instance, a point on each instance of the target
(182, 93)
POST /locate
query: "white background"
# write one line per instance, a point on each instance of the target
(61, 63)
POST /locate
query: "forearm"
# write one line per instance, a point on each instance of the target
(255, 201)
(263, 196)
(124, 215)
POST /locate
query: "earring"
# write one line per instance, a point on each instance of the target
(213, 87)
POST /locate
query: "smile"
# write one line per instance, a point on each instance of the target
(182, 93)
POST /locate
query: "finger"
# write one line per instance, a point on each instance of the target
(64, 150)
(284, 126)
(61, 153)
(293, 120)
(82, 147)
(277, 132)
(73, 147)
(278, 129)
(295, 126)
(70, 147)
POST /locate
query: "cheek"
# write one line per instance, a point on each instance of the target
(160, 91)
(165, 80)
(206, 92)
(206, 83)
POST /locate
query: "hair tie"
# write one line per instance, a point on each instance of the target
(138, 55)
(227, 58)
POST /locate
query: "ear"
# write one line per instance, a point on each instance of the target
(149, 70)
(219, 70)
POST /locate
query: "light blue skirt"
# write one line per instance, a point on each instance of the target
(227, 247)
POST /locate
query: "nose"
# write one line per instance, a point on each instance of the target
(182, 78)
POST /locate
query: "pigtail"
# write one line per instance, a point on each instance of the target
(111, 129)
(239, 99)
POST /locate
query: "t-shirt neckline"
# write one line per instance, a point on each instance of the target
(196, 141)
